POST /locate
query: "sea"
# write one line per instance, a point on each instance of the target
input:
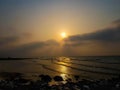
(87, 67)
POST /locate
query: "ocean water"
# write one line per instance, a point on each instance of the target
(86, 67)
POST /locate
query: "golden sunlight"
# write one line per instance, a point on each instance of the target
(63, 35)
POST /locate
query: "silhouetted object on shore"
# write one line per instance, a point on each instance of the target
(45, 78)
(58, 78)
(13, 58)
(76, 77)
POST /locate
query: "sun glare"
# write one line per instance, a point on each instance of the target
(63, 35)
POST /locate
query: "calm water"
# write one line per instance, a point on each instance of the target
(85, 67)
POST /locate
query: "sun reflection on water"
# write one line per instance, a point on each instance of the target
(64, 69)
(63, 76)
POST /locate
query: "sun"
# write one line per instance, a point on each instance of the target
(63, 35)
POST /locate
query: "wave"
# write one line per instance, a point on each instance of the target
(98, 61)
(107, 68)
(90, 71)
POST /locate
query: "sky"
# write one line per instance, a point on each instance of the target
(32, 28)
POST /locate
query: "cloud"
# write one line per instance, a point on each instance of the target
(35, 45)
(107, 35)
(30, 49)
(101, 42)
(8, 40)
(116, 22)
(19, 45)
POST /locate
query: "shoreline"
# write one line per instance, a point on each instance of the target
(16, 81)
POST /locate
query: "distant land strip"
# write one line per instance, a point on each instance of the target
(9, 58)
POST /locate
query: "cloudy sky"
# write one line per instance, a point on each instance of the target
(32, 28)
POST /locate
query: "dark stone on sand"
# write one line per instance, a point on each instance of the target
(45, 78)
(76, 77)
(58, 78)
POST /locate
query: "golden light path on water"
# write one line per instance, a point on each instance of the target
(63, 68)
